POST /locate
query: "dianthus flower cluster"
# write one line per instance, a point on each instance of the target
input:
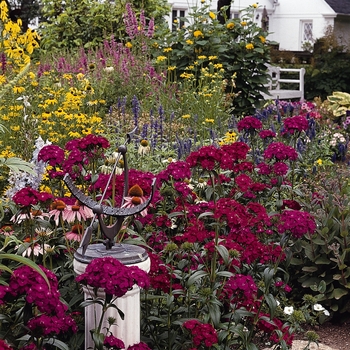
(178, 171)
(265, 134)
(275, 325)
(280, 151)
(90, 143)
(4, 345)
(159, 275)
(28, 196)
(28, 283)
(111, 342)
(45, 325)
(139, 346)
(112, 276)
(297, 223)
(202, 333)
(232, 153)
(296, 123)
(249, 124)
(51, 154)
(207, 157)
(280, 168)
(240, 290)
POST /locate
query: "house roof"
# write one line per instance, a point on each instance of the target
(339, 6)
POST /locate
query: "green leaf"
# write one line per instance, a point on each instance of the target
(222, 250)
(197, 275)
(17, 165)
(98, 339)
(339, 293)
(57, 343)
(25, 261)
(271, 302)
(310, 269)
(322, 260)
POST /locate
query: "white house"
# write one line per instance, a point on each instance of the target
(291, 23)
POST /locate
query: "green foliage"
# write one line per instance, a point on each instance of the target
(239, 46)
(330, 69)
(75, 23)
(339, 103)
(322, 261)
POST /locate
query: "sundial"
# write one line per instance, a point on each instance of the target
(100, 210)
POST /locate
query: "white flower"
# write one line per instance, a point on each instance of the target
(278, 303)
(288, 310)
(318, 307)
(108, 69)
(326, 312)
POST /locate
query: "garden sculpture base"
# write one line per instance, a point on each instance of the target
(128, 330)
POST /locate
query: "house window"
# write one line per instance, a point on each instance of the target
(306, 33)
(177, 19)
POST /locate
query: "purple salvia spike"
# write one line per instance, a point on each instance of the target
(150, 31)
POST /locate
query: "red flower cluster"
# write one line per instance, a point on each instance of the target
(280, 151)
(249, 124)
(273, 326)
(4, 345)
(280, 168)
(45, 325)
(296, 222)
(202, 333)
(240, 290)
(178, 171)
(111, 342)
(112, 276)
(28, 196)
(54, 155)
(90, 144)
(159, 275)
(27, 282)
(296, 123)
(265, 134)
(208, 157)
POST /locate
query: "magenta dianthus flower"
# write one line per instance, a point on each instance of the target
(112, 276)
(265, 134)
(111, 342)
(207, 157)
(139, 346)
(296, 123)
(297, 223)
(280, 168)
(202, 333)
(54, 155)
(280, 151)
(249, 124)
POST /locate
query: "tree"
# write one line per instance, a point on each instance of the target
(74, 23)
(26, 10)
(222, 4)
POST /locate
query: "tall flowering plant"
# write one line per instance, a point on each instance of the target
(110, 276)
(216, 251)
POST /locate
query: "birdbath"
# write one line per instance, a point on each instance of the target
(127, 329)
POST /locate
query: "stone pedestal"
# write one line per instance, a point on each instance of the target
(128, 330)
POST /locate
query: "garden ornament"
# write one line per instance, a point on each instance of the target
(101, 210)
